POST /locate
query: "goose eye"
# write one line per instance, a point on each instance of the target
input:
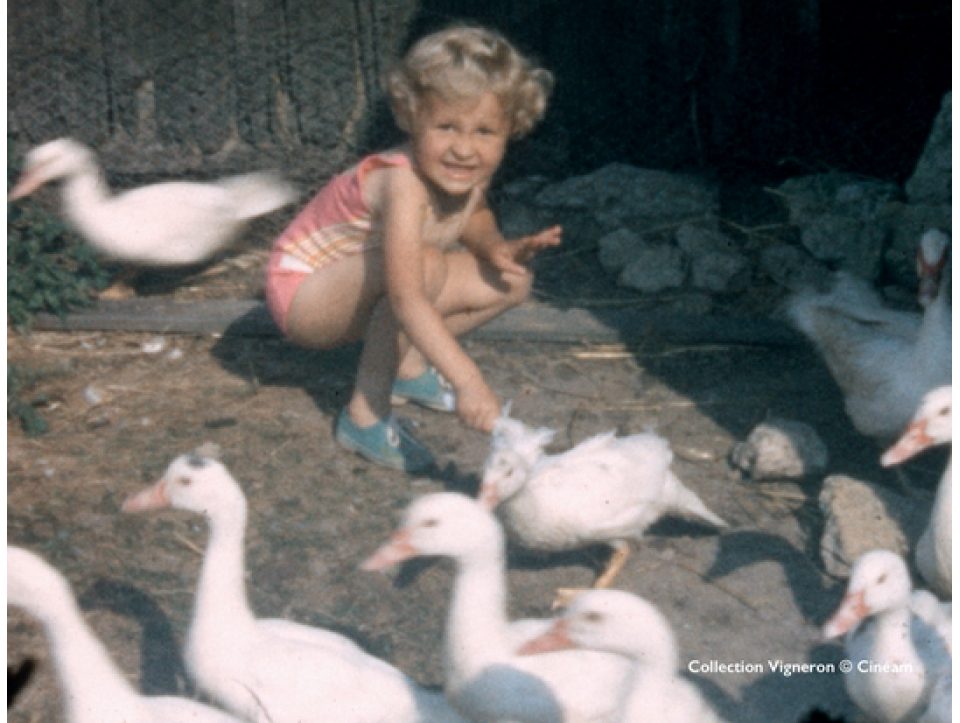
(882, 579)
(184, 481)
(592, 617)
(196, 461)
(430, 523)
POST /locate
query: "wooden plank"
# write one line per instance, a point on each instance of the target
(532, 321)
(165, 316)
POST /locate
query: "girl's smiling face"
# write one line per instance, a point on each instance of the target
(458, 145)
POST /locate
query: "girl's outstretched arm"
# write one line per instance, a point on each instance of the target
(482, 236)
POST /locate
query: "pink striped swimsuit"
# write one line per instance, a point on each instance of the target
(334, 224)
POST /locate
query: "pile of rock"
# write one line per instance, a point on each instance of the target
(657, 231)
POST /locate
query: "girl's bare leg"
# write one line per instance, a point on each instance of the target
(333, 305)
(377, 369)
(346, 301)
(340, 304)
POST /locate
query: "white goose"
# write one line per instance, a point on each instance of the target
(485, 678)
(271, 671)
(621, 623)
(176, 223)
(932, 425)
(940, 707)
(94, 690)
(883, 360)
(606, 490)
(897, 654)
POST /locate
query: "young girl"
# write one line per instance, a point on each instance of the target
(375, 254)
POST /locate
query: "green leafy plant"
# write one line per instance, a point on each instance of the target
(48, 267)
(19, 381)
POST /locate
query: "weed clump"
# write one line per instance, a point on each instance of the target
(49, 268)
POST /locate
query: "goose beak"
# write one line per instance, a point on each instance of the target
(914, 440)
(488, 497)
(556, 638)
(852, 610)
(28, 182)
(396, 550)
(930, 271)
(153, 497)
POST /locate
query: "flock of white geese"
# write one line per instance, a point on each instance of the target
(609, 655)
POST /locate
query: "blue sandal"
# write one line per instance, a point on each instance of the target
(429, 390)
(384, 443)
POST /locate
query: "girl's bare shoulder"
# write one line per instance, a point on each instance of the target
(387, 183)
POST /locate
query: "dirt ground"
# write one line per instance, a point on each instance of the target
(758, 592)
(121, 406)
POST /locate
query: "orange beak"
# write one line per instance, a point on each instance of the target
(929, 275)
(488, 497)
(851, 611)
(153, 497)
(28, 182)
(556, 638)
(915, 439)
(396, 550)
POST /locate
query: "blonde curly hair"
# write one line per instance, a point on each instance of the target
(465, 62)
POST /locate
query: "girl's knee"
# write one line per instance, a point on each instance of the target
(518, 288)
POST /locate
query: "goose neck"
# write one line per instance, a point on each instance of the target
(83, 665)
(221, 593)
(942, 505)
(83, 191)
(891, 624)
(936, 318)
(477, 620)
(652, 651)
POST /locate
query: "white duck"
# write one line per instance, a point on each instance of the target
(883, 360)
(94, 690)
(271, 671)
(606, 490)
(176, 223)
(485, 678)
(932, 425)
(619, 622)
(897, 654)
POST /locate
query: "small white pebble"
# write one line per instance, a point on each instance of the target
(92, 395)
(156, 345)
(175, 354)
(696, 454)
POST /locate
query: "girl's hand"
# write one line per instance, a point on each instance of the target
(511, 256)
(478, 406)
